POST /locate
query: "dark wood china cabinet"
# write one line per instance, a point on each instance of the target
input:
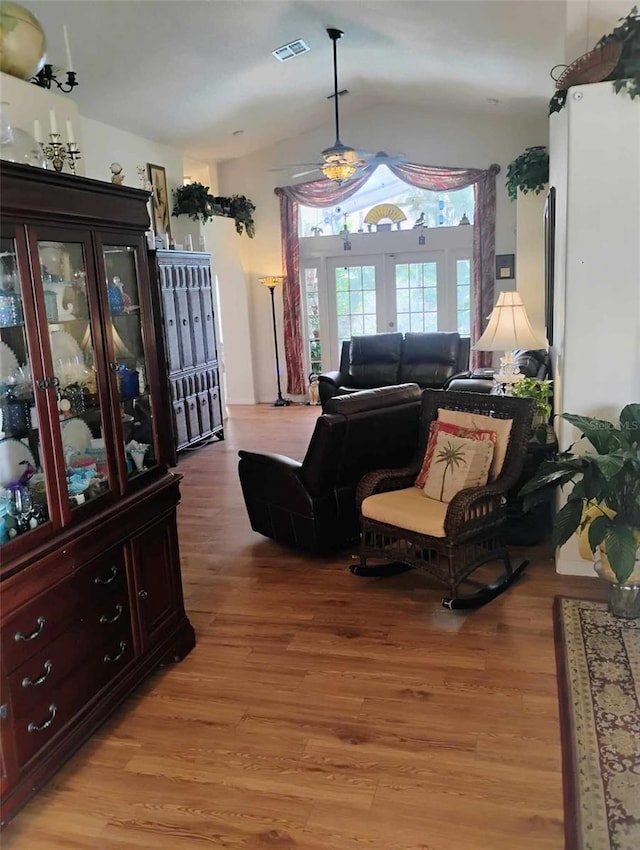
(90, 585)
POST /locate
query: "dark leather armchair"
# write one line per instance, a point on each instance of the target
(311, 504)
(377, 360)
(532, 364)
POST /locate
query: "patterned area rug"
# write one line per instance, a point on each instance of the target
(598, 662)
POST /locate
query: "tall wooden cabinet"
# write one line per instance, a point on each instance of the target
(184, 280)
(89, 562)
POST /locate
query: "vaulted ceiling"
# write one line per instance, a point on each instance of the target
(192, 73)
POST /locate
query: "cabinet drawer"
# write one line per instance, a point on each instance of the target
(193, 422)
(35, 681)
(41, 724)
(39, 622)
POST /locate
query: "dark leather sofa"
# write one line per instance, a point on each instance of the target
(311, 504)
(532, 364)
(378, 360)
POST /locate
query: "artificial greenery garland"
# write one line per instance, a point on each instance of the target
(528, 172)
(626, 74)
(199, 204)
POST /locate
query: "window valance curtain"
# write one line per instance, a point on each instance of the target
(326, 193)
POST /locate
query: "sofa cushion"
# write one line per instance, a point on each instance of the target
(429, 359)
(408, 508)
(375, 360)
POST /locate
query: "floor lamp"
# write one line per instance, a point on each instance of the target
(271, 283)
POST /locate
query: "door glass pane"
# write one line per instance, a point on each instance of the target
(417, 297)
(313, 316)
(131, 363)
(355, 301)
(463, 293)
(23, 497)
(80, 416)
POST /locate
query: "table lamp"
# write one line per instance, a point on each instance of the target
(509, 328)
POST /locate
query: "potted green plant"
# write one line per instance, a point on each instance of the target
(194, 200)
(603, 504)
(540, 391)
(528, 172)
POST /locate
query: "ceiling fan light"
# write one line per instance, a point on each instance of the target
(338, 171)
(340, 153)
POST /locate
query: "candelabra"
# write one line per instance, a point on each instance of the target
(57, 153)
(45, 77)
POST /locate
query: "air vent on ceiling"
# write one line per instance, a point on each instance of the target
(288, 51)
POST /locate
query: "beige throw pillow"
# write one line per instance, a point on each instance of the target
(458, 463)
(477, 421)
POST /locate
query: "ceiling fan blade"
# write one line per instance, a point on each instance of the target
(297, 165)
(304, 173)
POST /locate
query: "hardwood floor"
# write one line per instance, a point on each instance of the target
(318, 710)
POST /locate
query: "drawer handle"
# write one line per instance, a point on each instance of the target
(111, 659)
(108, 620)
(196, 319)
(20, 636)
(185, 322)
(208, 317)
(170, 323)
(105, 581)
(39, 727)
(143, 594)
(32, 683)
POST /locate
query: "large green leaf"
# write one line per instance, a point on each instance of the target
(597, 531)
(544, 478)
(630, 422)
(621, 551)
(609, 465)
(602, 435)
(566, 522)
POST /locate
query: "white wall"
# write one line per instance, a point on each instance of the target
(530, 255)
(433, 138)
(595, 166)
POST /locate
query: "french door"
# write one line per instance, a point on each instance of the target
(419, 292)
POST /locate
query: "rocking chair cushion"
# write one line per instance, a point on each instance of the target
(457, 463)
(408, 508)
(438, 427)
(476, 421)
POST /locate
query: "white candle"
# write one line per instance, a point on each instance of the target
(67, 48)
(70, 137)
(202, 242)
(189, 242)
(165, 241)
(52, 121)
(37, 132)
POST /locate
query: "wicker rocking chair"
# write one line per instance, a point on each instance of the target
(448, 541)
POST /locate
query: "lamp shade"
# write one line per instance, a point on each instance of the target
(509, 327)
(272, 281)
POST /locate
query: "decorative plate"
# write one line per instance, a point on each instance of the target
(64, 347)
(76, 434)
(12, 453)
(8, 362)
(592, 67)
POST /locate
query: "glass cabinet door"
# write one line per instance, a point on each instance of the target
(130, 364)
(80, 414)
(23, 496)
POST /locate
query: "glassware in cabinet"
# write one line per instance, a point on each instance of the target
(130, 362)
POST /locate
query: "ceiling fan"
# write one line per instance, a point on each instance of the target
(340, 162)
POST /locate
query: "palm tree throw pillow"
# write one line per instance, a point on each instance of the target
(439, 427)
(457, 463)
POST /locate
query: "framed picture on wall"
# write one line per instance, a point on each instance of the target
(160, 214)
(549, 260)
